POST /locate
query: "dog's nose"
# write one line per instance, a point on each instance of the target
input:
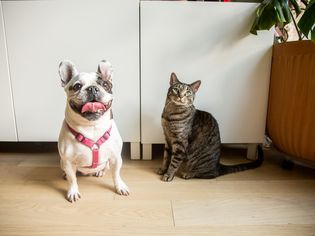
(93, 89)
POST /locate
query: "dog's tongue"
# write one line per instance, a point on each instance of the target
(92, 107)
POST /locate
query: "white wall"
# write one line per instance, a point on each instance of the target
(7, 121)
(210, 42)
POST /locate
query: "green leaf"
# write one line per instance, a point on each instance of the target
(286, 10)
(270, 13)
(279, 13)
(259, 11)
(254, 27)
(307, 21)
(296, 7)
(268, 18)
(262, 6)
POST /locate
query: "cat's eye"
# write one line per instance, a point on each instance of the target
(188, 93)
(77, 87)
(174, 90)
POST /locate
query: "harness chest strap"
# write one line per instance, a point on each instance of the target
(94, 146)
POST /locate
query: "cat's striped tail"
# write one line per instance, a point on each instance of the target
(226, 169)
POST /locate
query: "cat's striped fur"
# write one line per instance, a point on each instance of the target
(192, 136)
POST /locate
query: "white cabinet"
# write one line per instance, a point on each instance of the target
(204, 41)
(7, 121)
(42, 33)
(210, 42)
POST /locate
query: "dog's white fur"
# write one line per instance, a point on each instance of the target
(74, 155)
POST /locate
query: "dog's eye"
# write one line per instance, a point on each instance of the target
(77, 87)
(105, 84)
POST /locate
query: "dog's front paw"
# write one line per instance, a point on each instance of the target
(122, 189)
(73, 194)
(167, 177)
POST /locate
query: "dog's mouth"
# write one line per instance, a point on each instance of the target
(93, 107)
(91, 110)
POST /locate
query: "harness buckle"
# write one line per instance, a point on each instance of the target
(95, 147)
(80, 137)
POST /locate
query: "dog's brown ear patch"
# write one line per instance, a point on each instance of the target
(67, 71)
(105, 70)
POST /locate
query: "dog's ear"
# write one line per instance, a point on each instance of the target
(67, 71)
(105, 70)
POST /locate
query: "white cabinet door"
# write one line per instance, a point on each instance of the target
(7, 123)
(208, 42)
(42, 33)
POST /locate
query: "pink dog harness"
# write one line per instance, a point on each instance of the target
(94, 146)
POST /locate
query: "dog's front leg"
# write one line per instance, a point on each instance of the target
(73, 191)
(120, 186)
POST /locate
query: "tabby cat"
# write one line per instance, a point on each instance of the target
(193, 144)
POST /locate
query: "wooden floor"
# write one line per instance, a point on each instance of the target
(265, 201)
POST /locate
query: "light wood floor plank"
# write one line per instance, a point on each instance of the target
(253, 230)
(250, 211)
(265, 201)
(205, 189)
(98, 213)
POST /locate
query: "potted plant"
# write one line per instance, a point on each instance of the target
(279, 13)
(291, 106)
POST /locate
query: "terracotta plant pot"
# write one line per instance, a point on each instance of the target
(291, 109)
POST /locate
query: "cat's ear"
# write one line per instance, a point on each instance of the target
(195, 86)
(173, 79)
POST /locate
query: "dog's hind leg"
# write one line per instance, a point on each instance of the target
(99, 173)
(64, 175)
(102, 172)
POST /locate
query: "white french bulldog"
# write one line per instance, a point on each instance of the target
(89, 140)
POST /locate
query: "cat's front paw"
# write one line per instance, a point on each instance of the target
(167, 177)
(161, 171)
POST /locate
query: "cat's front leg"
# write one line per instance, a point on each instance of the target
(177, 158)
(171, 171)
(166, 160)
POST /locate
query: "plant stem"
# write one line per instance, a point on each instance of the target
(304, 2)
(295, 25)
